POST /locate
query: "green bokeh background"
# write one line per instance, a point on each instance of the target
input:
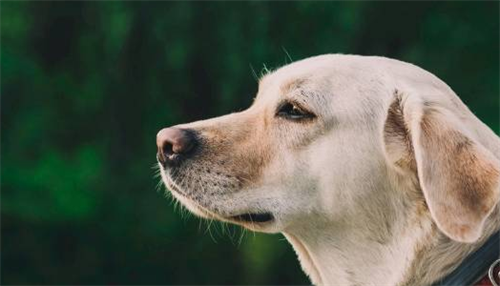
(85, 86)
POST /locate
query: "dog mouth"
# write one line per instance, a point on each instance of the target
(244, 218)
(254, 217)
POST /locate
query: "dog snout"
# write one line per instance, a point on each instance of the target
(174, 144)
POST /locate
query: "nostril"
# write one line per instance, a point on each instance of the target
(165, 152)
(167, 149)
(174, 144)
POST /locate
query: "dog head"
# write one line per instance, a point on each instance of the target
(322, 137)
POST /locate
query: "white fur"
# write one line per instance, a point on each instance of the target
(335, 196)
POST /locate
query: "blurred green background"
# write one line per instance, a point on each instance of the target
(85, 86)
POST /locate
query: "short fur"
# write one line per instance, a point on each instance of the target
(393, 182)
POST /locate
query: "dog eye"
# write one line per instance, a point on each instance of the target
(292, 111)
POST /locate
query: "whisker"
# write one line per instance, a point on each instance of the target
(287, 54)
(255, 76)
(242, 235)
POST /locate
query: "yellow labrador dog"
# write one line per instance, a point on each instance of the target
(372, 168)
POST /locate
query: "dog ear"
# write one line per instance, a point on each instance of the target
(457, 175)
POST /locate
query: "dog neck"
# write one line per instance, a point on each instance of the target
(380, 246)
(343, 256)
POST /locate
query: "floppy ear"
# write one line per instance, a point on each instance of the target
(458, 176)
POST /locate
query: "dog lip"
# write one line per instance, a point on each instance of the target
(263, 217)
(254, 217)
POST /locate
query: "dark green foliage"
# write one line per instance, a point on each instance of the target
(85, 86)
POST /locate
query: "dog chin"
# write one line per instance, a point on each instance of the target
(261, 222)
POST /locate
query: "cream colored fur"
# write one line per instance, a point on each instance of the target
(393, 182)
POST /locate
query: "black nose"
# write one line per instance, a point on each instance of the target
(174, 144)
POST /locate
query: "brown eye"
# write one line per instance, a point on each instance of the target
(291, 111)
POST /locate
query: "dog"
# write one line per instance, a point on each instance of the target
(372, 168)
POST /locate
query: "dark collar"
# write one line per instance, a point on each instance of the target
(475, 266)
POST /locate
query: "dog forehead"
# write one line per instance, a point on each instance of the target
(319, 78)
(349, 79)
(306, 69)
(336, 70)
(347, 67)
(310, 73)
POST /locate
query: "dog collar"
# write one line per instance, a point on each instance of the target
(478, 269)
